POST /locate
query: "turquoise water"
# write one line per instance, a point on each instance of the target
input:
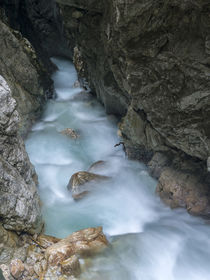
(149, 240)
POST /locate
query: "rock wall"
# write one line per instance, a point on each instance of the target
(39, 22)
(19, 201)
(149, 62)
(25, 85)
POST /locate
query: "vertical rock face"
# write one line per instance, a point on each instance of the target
(40, 23)
(19, 201)
(148, 61)
(25, 75)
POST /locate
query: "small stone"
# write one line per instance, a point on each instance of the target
(70, 132)
(71, 266)
(17, 268)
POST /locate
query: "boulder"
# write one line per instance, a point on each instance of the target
(83, 243)
(82, 182)
(181, 189)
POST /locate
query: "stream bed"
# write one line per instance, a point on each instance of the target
(149, 240)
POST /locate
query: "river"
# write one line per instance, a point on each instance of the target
(149, 240)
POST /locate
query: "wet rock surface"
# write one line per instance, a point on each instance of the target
(148, 62)
(82, 182)
(83, 243)
(47, 257)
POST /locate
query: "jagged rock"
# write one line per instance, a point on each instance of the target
(26, 76)
(181, 189)
(138, 63)
(82, 182)
(19, 200)
(148, 62)
(83, 243)
(17, 268)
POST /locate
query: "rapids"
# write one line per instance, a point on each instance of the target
(149, 240)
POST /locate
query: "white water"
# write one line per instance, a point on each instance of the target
(149, 241)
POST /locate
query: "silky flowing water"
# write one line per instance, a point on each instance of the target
(149, 240)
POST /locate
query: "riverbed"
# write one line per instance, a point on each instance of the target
(149, 240)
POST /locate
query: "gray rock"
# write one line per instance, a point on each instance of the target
(127, 56)
(148, 62)
(25, 75)
(19, 201)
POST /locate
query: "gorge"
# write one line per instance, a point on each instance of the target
(147, 62)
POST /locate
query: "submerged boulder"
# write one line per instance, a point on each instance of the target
(82, 182)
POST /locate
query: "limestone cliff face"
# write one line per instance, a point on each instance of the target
(19, 201)
(148, 61)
